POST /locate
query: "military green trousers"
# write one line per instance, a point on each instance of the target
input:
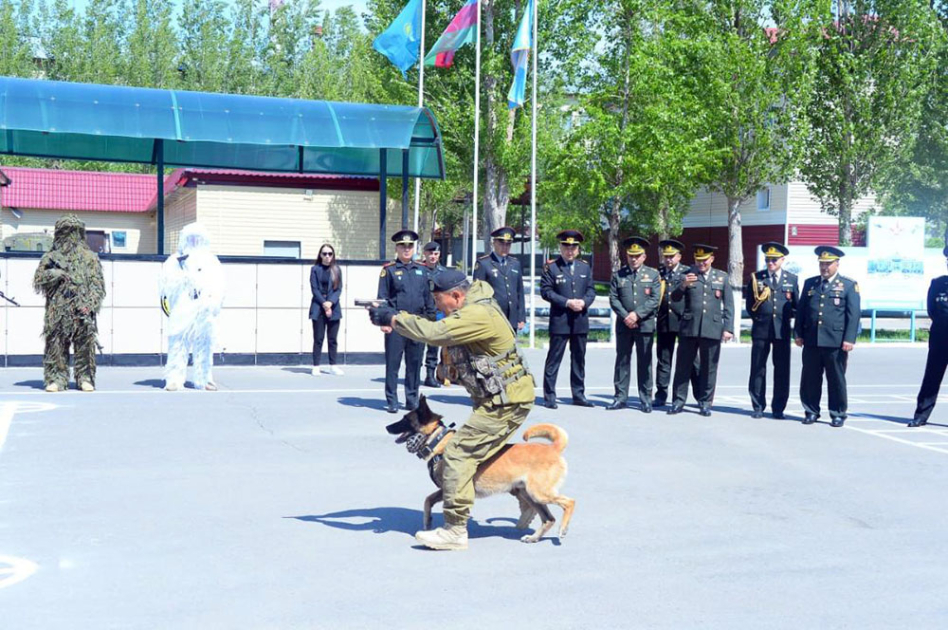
(56, 356)
(481, 437)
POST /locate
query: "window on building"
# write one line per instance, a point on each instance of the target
(98, 241)
(118, 240)
(763, 200)
(284, 249)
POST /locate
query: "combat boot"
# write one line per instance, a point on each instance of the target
(86, 386)
(430, 380)
(448, 538)
(52, 387)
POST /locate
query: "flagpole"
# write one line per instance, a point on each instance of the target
(477, 121)
(421, 102)
(533, 186)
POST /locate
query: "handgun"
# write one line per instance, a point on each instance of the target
(370, 303)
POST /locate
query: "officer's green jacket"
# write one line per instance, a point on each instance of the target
(640, 295)
(481, 327)
(709, 306)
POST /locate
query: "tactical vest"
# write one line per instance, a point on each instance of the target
(484, 376)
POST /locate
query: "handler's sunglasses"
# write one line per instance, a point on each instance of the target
(325, 253)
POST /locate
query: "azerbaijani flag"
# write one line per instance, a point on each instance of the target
(460, 31)
(520, 58)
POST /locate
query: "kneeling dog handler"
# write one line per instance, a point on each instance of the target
(481, 354)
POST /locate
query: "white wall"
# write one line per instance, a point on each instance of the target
(805, 209)
(266, 309)
(709, 209)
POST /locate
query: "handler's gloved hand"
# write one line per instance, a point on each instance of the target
(382, 315)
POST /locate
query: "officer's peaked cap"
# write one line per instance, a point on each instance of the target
(773, 249)
(702, 251)
(670, 247)
(505, 234)
(404, 237)
(570, 237)
(635, 245)
(827, 253)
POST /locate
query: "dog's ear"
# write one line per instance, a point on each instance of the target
(423, 402)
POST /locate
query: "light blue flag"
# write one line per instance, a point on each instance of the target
(401, 41)
(520, 58)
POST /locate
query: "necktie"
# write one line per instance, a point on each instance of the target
(773, 279)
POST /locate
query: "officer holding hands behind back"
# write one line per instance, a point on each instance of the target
(771, 300)
(403, 283)
(567, 284)
(502, 272)
(432, 262)
(634, 295)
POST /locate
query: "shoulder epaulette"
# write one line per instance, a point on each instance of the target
(389, 263)
(483, 257)
(551, 261)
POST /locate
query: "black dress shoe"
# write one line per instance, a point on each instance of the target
(391, 408)
(704, 411)
(757, 414)
(809, 419)
(430, 382)
(616, 405)
(917, 422)
(550, 404)
(837, 422)
(675, 409)
(646, 408)
(582, 402)
(658, 402)
(778, 415)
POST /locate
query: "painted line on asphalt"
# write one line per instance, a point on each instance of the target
(7, 411)
(887, 436)
(15, 570)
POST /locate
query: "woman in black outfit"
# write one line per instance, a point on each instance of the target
(325, 278)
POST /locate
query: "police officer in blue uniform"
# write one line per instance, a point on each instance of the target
(706, 321)
(634, 294)
(403, 283)
(771, 299)
(432, 262)
(567, 284)
(503, 274)
(826, 328)
(937, 350)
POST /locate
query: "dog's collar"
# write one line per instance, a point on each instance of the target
(426, 451)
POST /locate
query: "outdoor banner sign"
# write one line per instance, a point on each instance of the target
(893, 272)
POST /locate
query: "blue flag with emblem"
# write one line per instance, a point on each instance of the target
(401, 41)
(520, 58)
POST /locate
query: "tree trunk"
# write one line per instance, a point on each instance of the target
(845, 202)
(496, 186)
(614, 255)
(735, 259)
(663, 221)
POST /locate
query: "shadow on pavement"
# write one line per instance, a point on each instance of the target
(366, 403)
(297, 370)
(36, 384)
(893, 419)
(383, 520)
(157, 383)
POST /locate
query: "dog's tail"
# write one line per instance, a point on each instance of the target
(549, 431)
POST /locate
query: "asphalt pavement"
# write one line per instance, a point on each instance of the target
(280, 502)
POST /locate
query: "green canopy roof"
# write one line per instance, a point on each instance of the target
(125, 124)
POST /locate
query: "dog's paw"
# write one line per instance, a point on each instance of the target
(532, 538)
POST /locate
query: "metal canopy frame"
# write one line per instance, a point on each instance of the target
(55, 119)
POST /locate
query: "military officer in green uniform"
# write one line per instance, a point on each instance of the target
(634, 294)
(432, 261)
(826, 328)
(771, 300)
(503, 274)
(668, 320)
(706, 321)
(937, 350)
(482, 355)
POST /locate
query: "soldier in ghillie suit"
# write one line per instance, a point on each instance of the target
(70, 277)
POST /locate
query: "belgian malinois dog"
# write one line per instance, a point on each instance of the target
(531, 472)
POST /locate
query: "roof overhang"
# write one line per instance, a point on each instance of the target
(199, 129)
